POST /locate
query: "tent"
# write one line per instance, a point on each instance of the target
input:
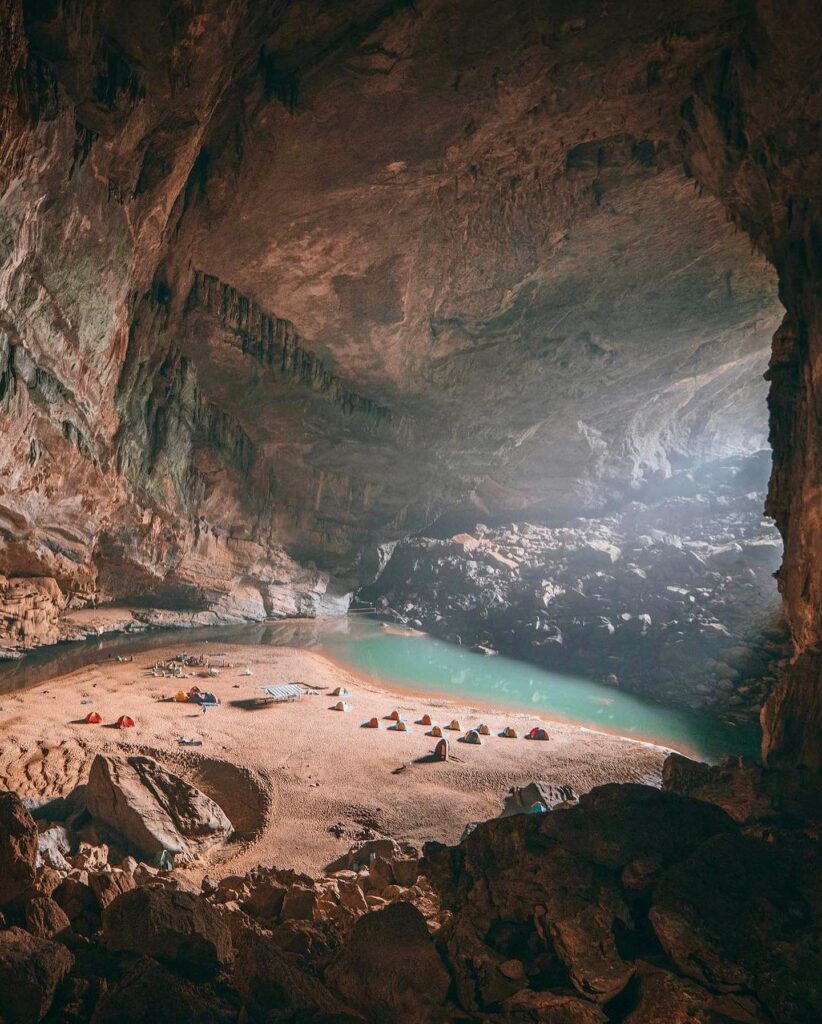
(340, 691)
(441, 750)
(454, 726)
(400, 726)
(435, 731)
(181, 696)
(341, 706)
(425, 720)
(394, 716)
(509, 733)
(204, 698)
(472, 736)
(93, 718)
(538, 733)
(372, 723)
(124, 722)
(483, 730)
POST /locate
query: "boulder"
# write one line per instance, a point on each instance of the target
(45, 918)
(18, 848)
(108, 885)
(740, 914)
(31, 968)
(151, 808)
(53, 847)
(521, 799)
(80, 905)
(149, 994)
(666, 998)
(270, 980)
(747, 791)
(529, 1007)
(389, 968)
(180, 927)
(299, 904)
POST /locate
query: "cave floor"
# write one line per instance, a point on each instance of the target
(299, 781)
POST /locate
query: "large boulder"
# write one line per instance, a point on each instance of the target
(45, 918)
(180, 927)
(389, 968)
(665, 998)
(18, 848)
(521, 799)
(744, 915)
(746, 790)
(151, 808)
(149, 994)
(31, 968)
(269, 980)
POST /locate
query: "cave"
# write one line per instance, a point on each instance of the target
(449, 366)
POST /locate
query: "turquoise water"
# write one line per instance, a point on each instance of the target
(424, 665)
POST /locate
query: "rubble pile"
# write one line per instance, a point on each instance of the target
(672, 597)
(700, 903)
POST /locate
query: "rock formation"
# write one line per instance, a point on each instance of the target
(281, 285)
(632, 905)
(151, 808)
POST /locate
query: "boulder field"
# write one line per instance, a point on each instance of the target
(696, 903)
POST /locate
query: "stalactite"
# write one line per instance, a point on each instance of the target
(274, 342)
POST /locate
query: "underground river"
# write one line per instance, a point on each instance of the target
(421, 664)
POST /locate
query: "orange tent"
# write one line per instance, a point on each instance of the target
(93, 718)
(394, 716)
(124, 722)
(372, 723)
(425, 720)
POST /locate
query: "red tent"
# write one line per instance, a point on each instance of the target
(93, 718)
(124, 722)
(394, 716)
(425, 720)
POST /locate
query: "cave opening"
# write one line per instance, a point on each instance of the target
(391, 495)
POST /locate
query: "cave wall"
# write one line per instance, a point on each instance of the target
(752, 139)
(280, 283)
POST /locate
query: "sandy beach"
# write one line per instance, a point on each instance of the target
(300, 782)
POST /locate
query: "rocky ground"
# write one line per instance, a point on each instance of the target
(700, 903)
(672, 597)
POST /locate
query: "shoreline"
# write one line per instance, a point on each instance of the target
(305, 782)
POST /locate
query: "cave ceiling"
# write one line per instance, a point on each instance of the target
(289, 280)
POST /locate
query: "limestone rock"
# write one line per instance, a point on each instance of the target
(529, 1007)
(739, 915)
(179, 927)
(153, 809)
(522, 798)
(31, 968)
(270, 980)
(45, 918)
(666, 998)
(151, 993)
(390, 969)
(80, 905)
(18, 848)
(108, 885)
